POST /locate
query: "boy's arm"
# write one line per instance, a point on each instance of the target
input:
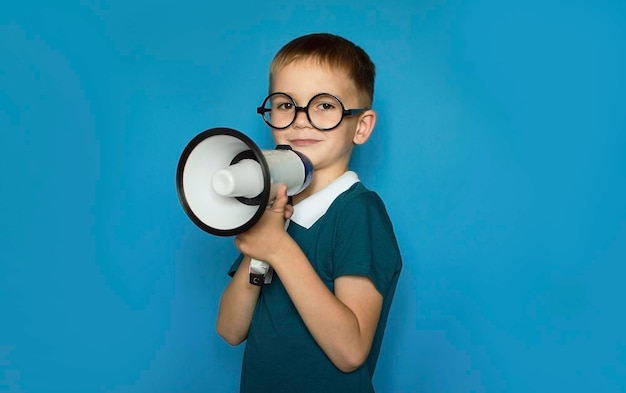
(237, 306)
(342, 323)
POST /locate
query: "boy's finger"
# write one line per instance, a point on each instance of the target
(281, 199)
(288, 212)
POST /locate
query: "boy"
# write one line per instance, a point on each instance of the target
(318, 325)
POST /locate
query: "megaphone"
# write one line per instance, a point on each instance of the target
(225, 182)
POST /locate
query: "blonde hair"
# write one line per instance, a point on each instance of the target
(335, 52)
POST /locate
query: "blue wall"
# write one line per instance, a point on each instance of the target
(500, 152)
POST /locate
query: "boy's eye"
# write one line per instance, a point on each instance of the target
(325, 107)
(284, 106)
(325, 103)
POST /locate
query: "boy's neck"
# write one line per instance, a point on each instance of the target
(320, 180)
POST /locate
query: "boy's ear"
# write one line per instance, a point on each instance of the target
(367, 121)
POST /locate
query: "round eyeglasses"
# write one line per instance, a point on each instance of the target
(324, 111)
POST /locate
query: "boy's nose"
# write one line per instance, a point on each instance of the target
(301, 119)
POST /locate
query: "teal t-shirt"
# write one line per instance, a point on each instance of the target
(353, 237)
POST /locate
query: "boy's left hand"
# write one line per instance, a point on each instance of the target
(263, 240)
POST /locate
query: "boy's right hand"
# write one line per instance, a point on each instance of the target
(263, 240)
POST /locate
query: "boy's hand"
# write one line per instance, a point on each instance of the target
(263, 240)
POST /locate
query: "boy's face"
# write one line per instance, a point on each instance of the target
(329, 151)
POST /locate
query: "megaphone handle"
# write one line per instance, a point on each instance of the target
(260, 272)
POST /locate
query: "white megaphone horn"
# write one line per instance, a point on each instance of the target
(225, 182)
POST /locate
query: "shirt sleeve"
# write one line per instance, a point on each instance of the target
(366, 244)
(235, 265)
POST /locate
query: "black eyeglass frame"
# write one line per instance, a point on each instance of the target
(262, 110)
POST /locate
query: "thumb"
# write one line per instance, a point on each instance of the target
(278, 206)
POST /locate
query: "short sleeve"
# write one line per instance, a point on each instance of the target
(366, 244)
(235, 265)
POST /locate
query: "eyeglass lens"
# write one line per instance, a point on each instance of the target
(324, 111)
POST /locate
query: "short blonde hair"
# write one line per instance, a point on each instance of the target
(335, 52)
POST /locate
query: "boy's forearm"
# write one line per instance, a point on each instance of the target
(237, 306)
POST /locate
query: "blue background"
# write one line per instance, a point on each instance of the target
(500, 152)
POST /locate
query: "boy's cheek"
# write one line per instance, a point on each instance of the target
(279, 138)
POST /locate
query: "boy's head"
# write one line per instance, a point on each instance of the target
(334, 52)
(321, 89)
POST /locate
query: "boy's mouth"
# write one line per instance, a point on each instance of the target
(302, 142)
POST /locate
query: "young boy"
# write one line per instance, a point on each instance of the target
(318, 325)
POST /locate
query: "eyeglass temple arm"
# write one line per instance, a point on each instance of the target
(349, 112)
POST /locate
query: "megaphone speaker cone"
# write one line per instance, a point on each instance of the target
(205, 156)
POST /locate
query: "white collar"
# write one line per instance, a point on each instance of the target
(309, 210)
